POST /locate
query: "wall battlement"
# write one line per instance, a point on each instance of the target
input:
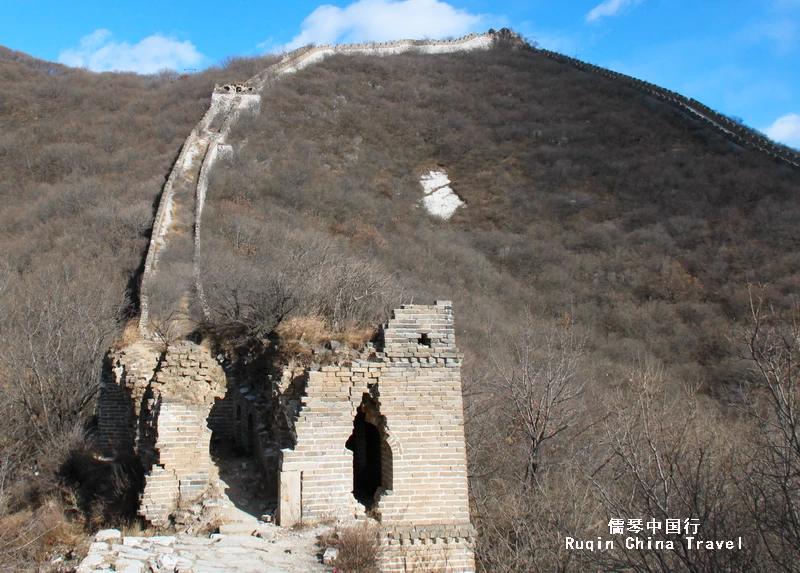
(740, 134)
(200, 151)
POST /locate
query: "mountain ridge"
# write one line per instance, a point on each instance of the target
(603, 228)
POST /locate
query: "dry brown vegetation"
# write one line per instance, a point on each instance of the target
(618, 362)
(83, 157)
(359, 548)
(601, 272)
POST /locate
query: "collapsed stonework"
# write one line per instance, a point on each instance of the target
(156, 404)
(377, 436)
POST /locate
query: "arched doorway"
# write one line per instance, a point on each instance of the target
(371, 454)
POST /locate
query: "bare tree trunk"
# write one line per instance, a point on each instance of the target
(539, 374)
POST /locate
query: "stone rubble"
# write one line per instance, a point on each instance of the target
(272, 550)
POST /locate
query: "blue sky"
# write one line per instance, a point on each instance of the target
(741, 57)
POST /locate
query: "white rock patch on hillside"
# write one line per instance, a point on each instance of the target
(440, 200)
(433, 180)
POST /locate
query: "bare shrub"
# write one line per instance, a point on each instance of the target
(310, 328)
(670, 454)
(99, 492)
(773, 486)
(523, 529)
(56, 327)
(278, 277)
(30, 538)
(359, 549)
(541, 378)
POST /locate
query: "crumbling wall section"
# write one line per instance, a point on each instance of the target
(165, 398)
(126, 377)
(320, 456)
(415, 383)
(210, 131)
(223, 418)
(185, 387)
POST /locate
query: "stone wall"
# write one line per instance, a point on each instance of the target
(155, 403)
(208, 134)
(307, 56)
(740, 134)
(128, 374)
(235, 88)
(227, 104)
(410, 392)
(223, 418)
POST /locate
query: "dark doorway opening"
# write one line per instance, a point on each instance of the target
(241, 464)
(365, 443)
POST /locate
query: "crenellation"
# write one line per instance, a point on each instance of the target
(691, 106)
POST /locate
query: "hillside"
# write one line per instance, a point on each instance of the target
(83, 158)
(609, 243)
(590, 207)
(583, 197)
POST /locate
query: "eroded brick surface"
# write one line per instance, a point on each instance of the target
(156, 404)
(411, 392)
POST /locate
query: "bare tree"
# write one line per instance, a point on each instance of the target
(286, 276)
(540, 376)
(773, 346)
(55, 329)
(666, 456)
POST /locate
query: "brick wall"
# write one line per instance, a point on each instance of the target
(222, 418)
(114, 415)
(157, 404)
(411, 391)
(126, 376)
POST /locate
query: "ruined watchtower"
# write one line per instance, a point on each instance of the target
(381, 436)
(386, 436)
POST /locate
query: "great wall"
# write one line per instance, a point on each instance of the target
(377, 437)
(170, 270)
(736, 132)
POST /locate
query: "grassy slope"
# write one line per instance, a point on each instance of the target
(83, 157)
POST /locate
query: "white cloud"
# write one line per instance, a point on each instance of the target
(384, 20)
(786, 129)
(608, 8)
(783, 33)
(100, 53)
